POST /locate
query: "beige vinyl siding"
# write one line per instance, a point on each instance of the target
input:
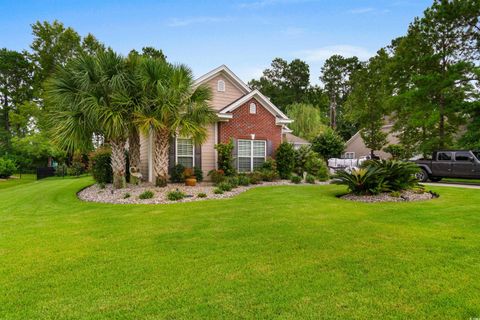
(144, 155)
(221, 99)
(357, 145)
(208, 151)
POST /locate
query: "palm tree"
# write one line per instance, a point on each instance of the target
(171, 105)
(91, 95)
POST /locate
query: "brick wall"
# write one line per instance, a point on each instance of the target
(243, 124)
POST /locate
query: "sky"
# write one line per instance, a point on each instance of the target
(245, 35)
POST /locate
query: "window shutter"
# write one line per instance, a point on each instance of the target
(235, 153)
(198, 156)
(171, 154)
(269, 148)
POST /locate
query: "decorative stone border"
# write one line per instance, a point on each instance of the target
(109, 195)
(406, 196)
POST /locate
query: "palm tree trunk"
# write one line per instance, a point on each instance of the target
(119, 163)
(162, 144)
(134, 148)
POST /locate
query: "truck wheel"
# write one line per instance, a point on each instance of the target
(422, 175)
(435, 179)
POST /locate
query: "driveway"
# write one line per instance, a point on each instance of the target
(452, 184)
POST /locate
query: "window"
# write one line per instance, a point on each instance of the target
(185, 152)
(221, 85)
(251, 154)
(253, 108)
(444, 156)
(349, 155)
(463, 156)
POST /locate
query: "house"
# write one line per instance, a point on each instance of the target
(251, 120)
(297, 142)
(355, 146)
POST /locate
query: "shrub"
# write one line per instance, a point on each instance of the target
(225, 186)
(310, 179)
(175, 195)
(301, 157)
(7, 167)
(198, 173)
(225, 158)
(316, 167)
(255, 177)
(147, 194)
(78, 167)
(101, 166)
(310, 162)
(218, 191)
(243, 180)
(217, 176)
(395, 194)
(233, 181)
(269, 176)
(61, 170)
(160, 182)
(202, 195)
(397, 175)
(269, 170)
(176, 174)
(328, 144)
(296, 179)
(397, 151)
(102, 185)
(362, 181)
(126, 195)
(285, 157)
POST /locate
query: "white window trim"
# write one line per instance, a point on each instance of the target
(251, 153)
(253, 108)
(176, 151)
(350, 152)
(219, 87)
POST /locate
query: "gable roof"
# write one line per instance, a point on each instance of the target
(294, 139)
(281, 117)
(226, 71)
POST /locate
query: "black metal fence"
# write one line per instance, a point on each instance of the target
(45, 172)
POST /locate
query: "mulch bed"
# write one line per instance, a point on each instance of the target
(109, 195)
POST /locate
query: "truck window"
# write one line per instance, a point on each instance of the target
(444, 156)
(477, 154)
(462, 156)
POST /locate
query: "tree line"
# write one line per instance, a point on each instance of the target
(426, 83)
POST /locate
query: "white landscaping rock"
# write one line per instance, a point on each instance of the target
(109, 195)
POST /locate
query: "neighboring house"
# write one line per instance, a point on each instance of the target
(297, 142)
(355, 146)
(256, 126)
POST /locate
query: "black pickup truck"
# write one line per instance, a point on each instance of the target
(450, 164)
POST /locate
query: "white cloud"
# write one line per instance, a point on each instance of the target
(323, 53)
(183, 22)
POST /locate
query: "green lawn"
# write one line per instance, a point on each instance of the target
(458, 180)
(17, 180)
(272, 252)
